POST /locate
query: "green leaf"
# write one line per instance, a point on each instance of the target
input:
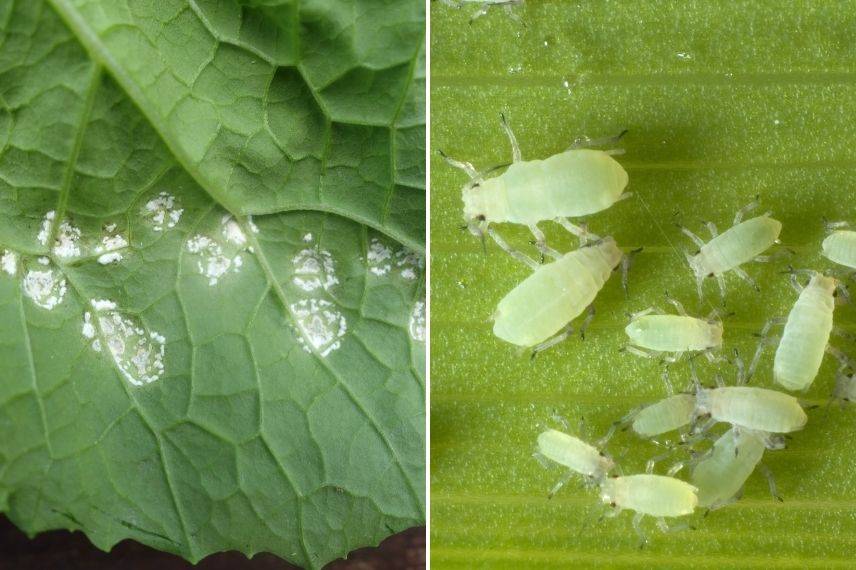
(723, 100)
(211, 283)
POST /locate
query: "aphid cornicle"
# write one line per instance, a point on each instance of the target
(840, 245)
(653, 332)
(744, 241)
(555, 293)
(577, 182)
(720, 474)
(805, 337)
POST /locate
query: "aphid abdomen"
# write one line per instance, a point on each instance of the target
(733, 458)
(654, 495)
(673, 333)
(806, 334)
(571, 183)
(738, 244)
(840, 247)
(570, 452)
(753, 408)
(666, 415)
(554, 294)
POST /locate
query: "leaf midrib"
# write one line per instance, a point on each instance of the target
(99, 54)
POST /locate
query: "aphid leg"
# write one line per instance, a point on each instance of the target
(666, 529)
(560, 483)
(561, 420)
(581, 232)
(586, 142)
(720, 281)
(711, 228)
(649, 465)
(590, 312)
(675, 469)
(771, 481)
(542, 461)
(738, 217)
(626, 264)
(696, 240)
(515, 148)
(741, 369)
(653, 309)
(763, 343)
(538, 348)
(773, 256)
(461, 165)
(541, 243)
(639, 352)
(670, 389)
(830, 226)
(637, 526)
(745, 277)
(679, 307)
(519, 256)
(843, 360)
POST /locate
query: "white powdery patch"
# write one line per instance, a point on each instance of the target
(213, 263)
(232, 231)
(67, 242)
(307, 238)
(9, 262)
(321, 325)
(45, 230)
(379, 258)
(314, 269)
(163, 212)
(46, 288)
(110, 246)
(139, 355)
(417, 322)
(410, 263)
(103, 305)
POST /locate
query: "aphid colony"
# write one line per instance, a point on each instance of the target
(538, 312)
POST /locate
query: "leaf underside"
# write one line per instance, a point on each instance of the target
(211, 288)
(723, 100)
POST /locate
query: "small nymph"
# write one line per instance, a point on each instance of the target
(653, 332)
(743, 242)
(805, 338)
(840, 245)
(572, 453)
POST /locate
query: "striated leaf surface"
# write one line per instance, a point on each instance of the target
(723, 100)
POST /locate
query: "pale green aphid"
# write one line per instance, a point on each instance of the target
(576, 455)
(741, 243)
(752, 408)
(664, 416)
(721, 473)
(577, 182)
(653, 332)
(647, 494)
(535, 311)
(840, 245)
(805, 338)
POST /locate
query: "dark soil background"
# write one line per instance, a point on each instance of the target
(63, 550)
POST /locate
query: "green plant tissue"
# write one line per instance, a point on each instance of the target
(723, 101)
(212, 220)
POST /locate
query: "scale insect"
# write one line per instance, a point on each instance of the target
(744, 241)
(805, 338)
(721, 473)
(577, 182)
(536, 310)
(840, 245)
(653, 332)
